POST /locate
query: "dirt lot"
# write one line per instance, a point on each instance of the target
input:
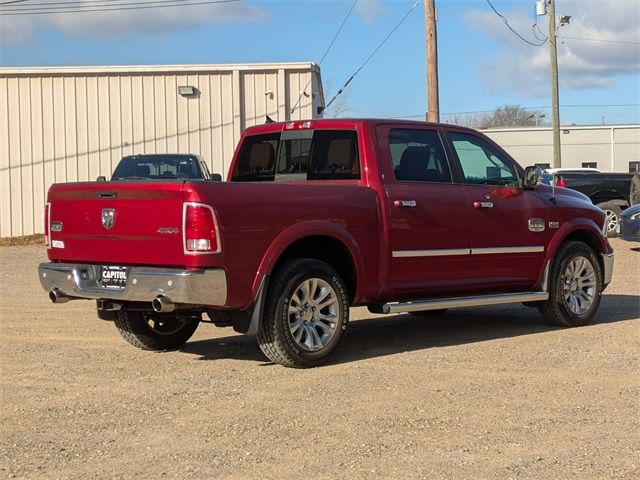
(484, 393)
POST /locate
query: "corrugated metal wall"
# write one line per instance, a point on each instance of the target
(74, 124)
(611, 147)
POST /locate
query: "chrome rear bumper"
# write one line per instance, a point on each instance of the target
(195, 287)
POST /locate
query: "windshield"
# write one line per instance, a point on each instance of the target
(157, 167)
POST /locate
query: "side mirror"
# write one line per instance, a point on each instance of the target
(532, 177)
(216, 177)
(101, 178)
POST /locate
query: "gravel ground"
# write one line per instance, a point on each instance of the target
(476, 393)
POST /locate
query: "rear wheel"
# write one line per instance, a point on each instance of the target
(155, 331)
(306, 313)
(575, 286)
(612, 211)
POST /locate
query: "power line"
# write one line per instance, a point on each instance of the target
(506, 22)
(12, 1)
(600, 40)
(120, 7)
(79, 4)
(88, 4)
(335, 36)
(372, 54)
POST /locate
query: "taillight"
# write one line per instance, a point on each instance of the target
(200, 229)
(560, 182)
(47, 224)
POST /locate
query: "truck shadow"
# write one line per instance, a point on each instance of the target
(380, 336)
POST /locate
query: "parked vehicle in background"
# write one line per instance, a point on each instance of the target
(572, 170)
(634, 193)
(629, 225)
(318, 216)
(157, 166)
(609, 191)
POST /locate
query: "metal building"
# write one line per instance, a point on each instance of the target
(74, 124)
(611, 148)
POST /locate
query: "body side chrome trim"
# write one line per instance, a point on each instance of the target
(465, 251)
(430, 253)
(528, 249)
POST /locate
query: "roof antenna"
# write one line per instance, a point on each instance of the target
(269, 119)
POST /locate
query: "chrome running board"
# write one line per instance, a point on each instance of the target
(440, 303)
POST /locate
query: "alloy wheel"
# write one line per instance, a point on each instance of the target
(579, 285)
(313, 314)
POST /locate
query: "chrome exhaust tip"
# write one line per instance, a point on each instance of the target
(56, 296)
(163, 304)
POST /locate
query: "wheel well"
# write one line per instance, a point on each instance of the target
(587, 237)
(328, 250)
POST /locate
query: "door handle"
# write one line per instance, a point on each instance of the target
(482, 204)
(404, 203)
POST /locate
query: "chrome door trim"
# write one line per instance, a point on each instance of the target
(528, 249)
(430, 253)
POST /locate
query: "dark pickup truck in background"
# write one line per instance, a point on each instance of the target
(609, 191)
(162, 166)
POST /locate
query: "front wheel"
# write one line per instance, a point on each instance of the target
(575, 286)
(155, 331)
(306, 313)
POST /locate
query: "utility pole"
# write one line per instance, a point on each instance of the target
(555, 101)
(433, 102)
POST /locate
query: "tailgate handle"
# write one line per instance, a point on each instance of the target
(107, 194)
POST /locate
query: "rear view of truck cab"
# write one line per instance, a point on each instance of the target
(318, 216)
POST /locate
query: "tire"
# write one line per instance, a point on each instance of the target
(155, 331)
(296, 307)
(428, 313)
(634, 190)
(575, 269)
(612, 210)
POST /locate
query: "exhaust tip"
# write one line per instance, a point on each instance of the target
(163, 304)
(56, 296)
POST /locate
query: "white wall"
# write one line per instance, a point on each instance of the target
(612, 147)
(74, 124)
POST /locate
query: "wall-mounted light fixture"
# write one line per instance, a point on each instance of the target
(187, 91)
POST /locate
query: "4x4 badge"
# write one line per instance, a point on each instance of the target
(108, 217)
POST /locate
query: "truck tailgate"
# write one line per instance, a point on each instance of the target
(132, 223)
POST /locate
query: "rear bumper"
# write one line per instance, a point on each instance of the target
(195, 287)
(607, 263)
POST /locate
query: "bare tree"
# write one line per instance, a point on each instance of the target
(340, 105)
(472, 120)
(505, 116)
(513, 116)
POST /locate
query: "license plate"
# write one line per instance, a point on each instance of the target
(113, 277)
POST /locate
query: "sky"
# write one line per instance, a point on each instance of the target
(482, 64)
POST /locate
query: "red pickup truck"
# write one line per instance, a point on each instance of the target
(317, 216)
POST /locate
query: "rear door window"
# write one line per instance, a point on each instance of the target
(418, 156)
(299, 155)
